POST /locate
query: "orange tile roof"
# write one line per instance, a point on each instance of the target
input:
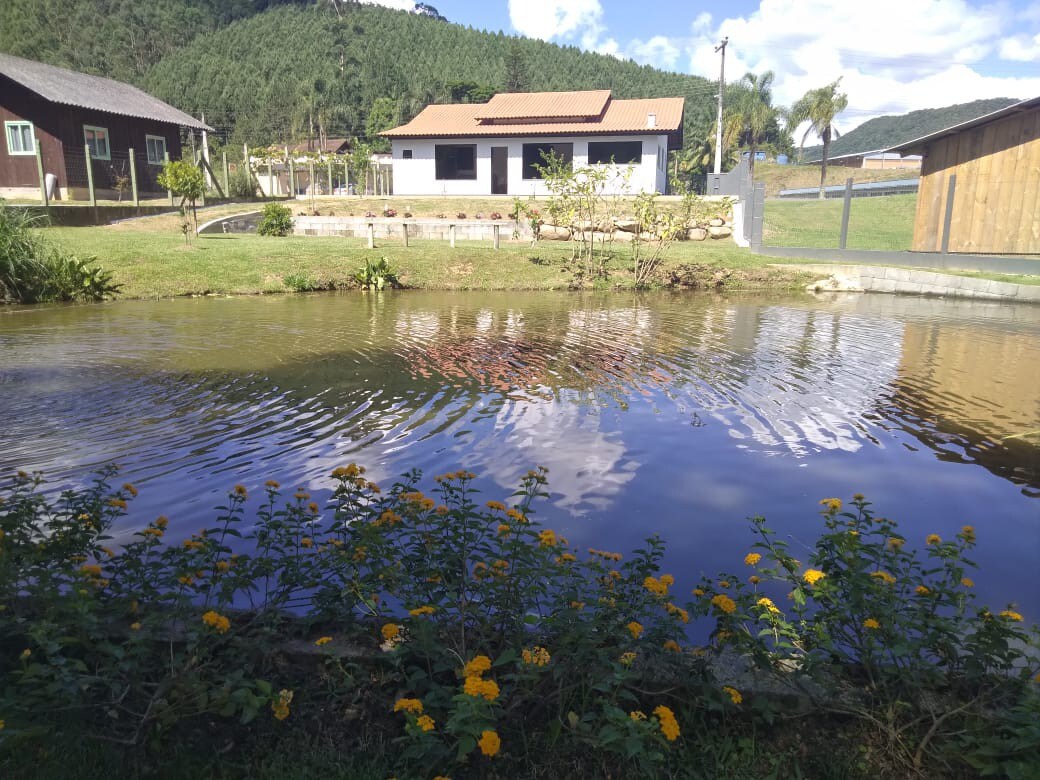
(619, 117)
(544, 105)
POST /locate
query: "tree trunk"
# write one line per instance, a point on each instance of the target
(751, 162)
(823, 162)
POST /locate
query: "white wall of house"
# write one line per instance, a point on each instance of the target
(415, 172)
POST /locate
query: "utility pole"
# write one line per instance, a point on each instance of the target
(718, 123)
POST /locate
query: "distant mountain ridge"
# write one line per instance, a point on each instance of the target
(885, 131)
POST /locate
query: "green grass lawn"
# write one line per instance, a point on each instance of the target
(151, 260)
(884, 222)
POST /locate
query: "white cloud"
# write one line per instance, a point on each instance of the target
(400, 5)
(547, 19)
(1021, 48)
(893, 55)
(659, 51)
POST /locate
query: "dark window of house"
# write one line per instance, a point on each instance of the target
(406, 154)
(535, 154)
(620, 152)
(456, 161)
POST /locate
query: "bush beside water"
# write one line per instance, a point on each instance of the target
(34, 271)
(449, 636)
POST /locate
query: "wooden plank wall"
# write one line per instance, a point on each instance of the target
(996, 205)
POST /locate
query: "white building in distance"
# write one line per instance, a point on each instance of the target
(492, 148)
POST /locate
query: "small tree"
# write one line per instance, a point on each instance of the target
(359, 161)
(184, 179)
(818, 107)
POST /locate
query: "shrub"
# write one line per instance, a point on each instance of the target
(185, 179)
(34, 271)
(460, 215)
(389, 212)
(241, 184)
(276, 220)
(494, 215)
(477, 635)
(376, 275)
(408, 215)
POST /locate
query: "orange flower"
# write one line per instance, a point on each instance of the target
(489, 743)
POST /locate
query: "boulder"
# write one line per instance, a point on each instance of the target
(716, 222)
(720, 231)
(696, 234)
(554, 233)
(627, 225)
(623, 237)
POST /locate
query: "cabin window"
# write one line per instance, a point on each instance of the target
(620, 152)
(456, 161)
(20, 138)
(406, 154)
(156, 147)
(535, 154)
(97, 139)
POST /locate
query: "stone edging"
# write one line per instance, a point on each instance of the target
(913, 281)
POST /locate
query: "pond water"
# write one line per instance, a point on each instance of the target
(676, 414)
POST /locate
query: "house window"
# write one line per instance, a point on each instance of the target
(20, 138)
(406, 154)
(456, 161)
(620, 152)
(156, 148)
(535, 154)
(97, 139)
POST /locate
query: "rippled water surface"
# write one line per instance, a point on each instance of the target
(675, 414)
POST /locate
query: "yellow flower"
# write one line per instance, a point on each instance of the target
(496, 505)
(281, 707)
(968, 532)
(871, 623)
(25, 654)
(90, 570)
(413, 706)
(1010, 614)
(135, 626)
(390, 631)
(547, 538)
(323, 640)
(831, 505)
(723, 583)
(724, 603)
(626, 659)
(752, 559)
(734, 694)
(565, 558)
(477, 666)
(117, 503)
(302, 495)
(130, 489)
(967, 582)
(667, 580)
(489, 743)
(420, 611)
(539, 656)
(2, 724)
(503, 529)
(478, 686)
(698, 592)
(313, 508)
(933, 539)
(883, 575)
(666, 720)
(637, 715)
(216, 621)
(768, 604)
(655, 586)
(106, 550)
(425, 722)
(672, 645)
(635, 629)
(306, 542)
(679, 612)
(161, 522)
(223, 566)
(754, 579)
(186, 579)
(812, 576)
(272, 484)
(577, 605)
(520, 517)
(921, 590)
(895, 543)
(240, 491)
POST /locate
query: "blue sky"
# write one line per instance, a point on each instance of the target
(893, 55)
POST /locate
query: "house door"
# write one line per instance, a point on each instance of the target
(499, 170)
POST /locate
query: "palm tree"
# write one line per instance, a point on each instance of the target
(819, 107)
(754, 109)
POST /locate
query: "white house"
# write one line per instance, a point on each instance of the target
(492, 148)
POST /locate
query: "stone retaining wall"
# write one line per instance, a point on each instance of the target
(912, 281)
(392, 227)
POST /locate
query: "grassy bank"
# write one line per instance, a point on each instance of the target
(784, 177)
(151, 260)
(885, 222)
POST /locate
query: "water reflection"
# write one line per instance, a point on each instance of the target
(671, 413)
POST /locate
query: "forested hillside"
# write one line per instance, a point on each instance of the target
(885, 131)
(266, 71)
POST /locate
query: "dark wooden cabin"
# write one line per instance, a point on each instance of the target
(65, 111)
